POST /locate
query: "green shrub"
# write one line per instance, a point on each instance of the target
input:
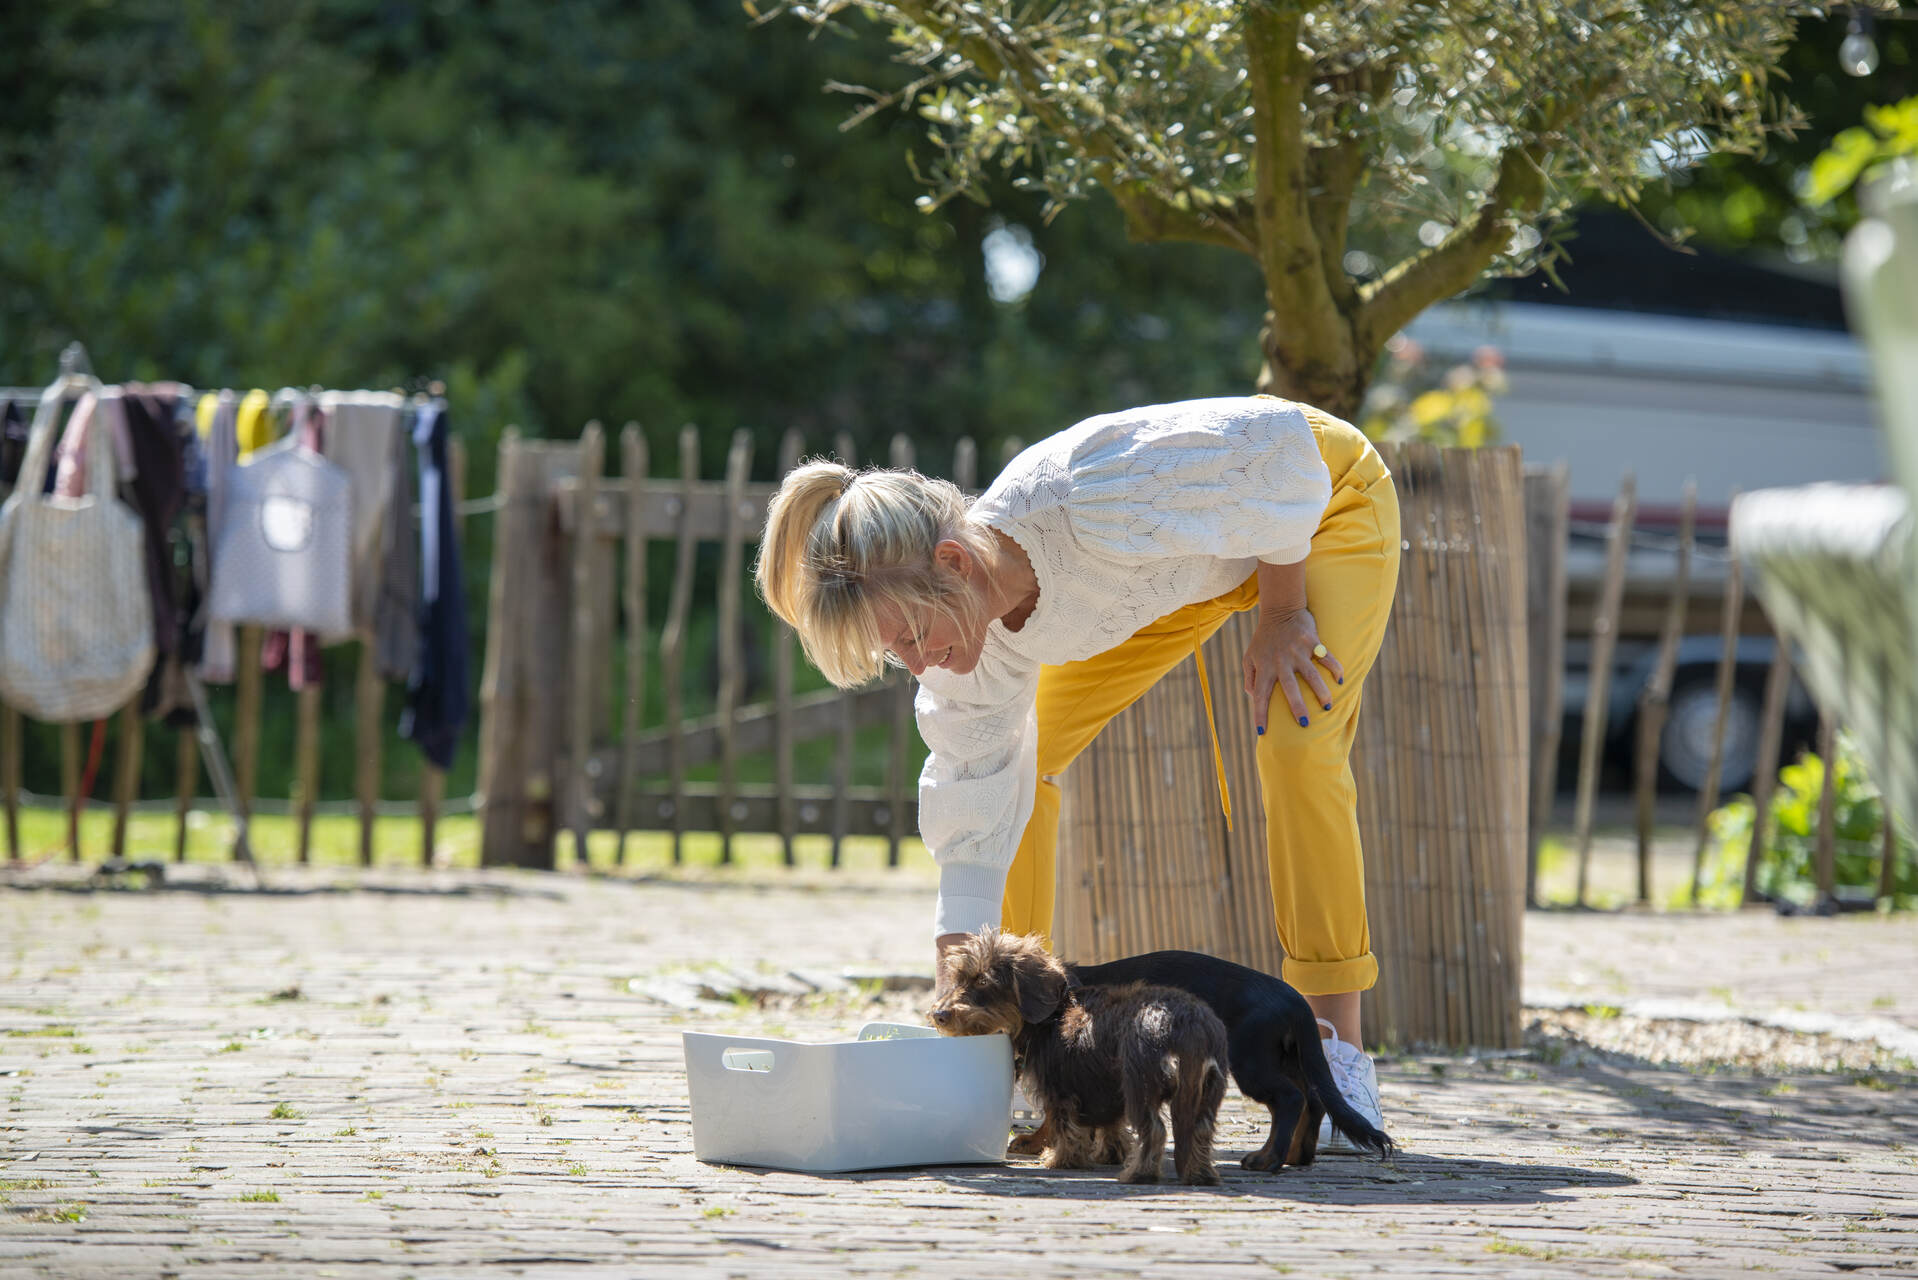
(1787, 871)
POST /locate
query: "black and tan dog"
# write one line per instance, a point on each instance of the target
(1095, 1058)
(1274, 1049)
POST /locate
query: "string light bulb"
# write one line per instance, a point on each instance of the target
(1858, 52)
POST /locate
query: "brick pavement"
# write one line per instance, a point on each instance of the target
(451, 1074)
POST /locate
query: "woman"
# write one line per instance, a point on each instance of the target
(1097, 561)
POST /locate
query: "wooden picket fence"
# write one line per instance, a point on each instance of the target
(1737, 617)
(562, 749)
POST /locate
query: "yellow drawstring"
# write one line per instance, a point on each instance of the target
(1218, 756)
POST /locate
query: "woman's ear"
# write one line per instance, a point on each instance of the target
(954, 557)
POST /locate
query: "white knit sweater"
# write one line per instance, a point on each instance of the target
(1125, 517)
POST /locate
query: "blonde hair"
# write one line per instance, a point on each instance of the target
(841, 543)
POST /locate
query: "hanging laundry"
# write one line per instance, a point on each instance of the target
(297, 649)
(76, 627)
(255, 425)
(364, 437)
(15, 419)
(282, 556)
(396, 614)
(157, 492)
(437, 702)
(95, 410)
(217, 417)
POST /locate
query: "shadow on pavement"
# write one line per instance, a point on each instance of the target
(1406, 1179)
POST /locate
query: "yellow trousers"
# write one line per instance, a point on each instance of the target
(1305, 773)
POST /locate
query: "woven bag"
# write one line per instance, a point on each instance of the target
(76, 622)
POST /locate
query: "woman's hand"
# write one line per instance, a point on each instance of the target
(944, 943)
(1285, 653)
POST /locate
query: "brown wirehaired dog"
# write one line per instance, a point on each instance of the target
(1273, 1043)
(1094, 1057)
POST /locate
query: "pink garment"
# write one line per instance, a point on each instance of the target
(70, 474)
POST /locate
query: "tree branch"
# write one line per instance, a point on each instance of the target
(1187, 214)
(1334, 173)
(1455, 262)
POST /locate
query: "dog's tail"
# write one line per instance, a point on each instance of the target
(1346, 1118)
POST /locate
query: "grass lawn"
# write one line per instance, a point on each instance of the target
(396, 843)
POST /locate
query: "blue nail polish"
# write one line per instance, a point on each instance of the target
(1341, 679)
(1261, 731)
(1326, 705)
(1303, 722)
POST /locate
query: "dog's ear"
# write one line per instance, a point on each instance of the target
(1041, 983)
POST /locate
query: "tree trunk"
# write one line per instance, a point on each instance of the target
(1338, 387)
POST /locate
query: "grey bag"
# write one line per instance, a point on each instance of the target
(282, 554)
(76, 622)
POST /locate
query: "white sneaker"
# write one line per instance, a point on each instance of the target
(1352, 1071)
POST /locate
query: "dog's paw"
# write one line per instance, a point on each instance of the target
(1205, 1176)
(1264, 1160)
(1026, 1144)
(1130, 1174)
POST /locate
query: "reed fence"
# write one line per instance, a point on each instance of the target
(1442, 764)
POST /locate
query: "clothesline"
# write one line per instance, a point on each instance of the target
(485, 506)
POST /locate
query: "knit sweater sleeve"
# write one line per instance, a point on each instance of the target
(1236, 478)
(975, 792)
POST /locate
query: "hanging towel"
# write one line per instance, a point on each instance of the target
(437, 702)
(217, 418)
(396, 614)
(363, 435)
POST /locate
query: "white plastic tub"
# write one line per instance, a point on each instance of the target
(898, 1095)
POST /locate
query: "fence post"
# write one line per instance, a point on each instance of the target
(1547, 525)
(739, 457)
(520, 718)
(1732, 606)
(583, 680)
(1599, 686)
(1654, 701)
(672, 641)
(633, 468)
(1771, 730)
(1825, 846)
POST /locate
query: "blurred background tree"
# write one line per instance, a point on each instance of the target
(567, 210)
(1371, 158)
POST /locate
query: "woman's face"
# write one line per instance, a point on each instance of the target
(933, 637)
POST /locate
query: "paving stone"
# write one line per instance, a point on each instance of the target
(468, 1085)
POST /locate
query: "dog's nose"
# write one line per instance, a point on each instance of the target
(942, 1016)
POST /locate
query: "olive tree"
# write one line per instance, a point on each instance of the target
(1371, 157)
